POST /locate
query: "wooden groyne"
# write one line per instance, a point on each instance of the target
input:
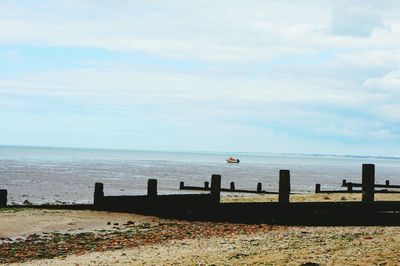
(3, 197)
(152, 202)
(232, 188)
(368, 169)
(351, 185)
(208, 206)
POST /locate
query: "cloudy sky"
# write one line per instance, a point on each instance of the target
(268, 76)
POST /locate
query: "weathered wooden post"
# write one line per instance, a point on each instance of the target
(3, 198)
(317, 188)
(152, 187)
(387, 183)
(216, 188)
(259, 187)
(344, 182)
(350, 187)
(232, 186)
(368, 181)
(284, 186)
(181, 185)
(98, 193)
(206, 185)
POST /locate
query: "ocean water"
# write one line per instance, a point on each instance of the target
(68, 175)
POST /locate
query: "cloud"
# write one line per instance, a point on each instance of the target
(151, 86)
(391, 112)
(355, 22)
(313, 106)
(376, 58)
(389, 82)
(227, 32)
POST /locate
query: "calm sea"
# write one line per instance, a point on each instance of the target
(68, 175)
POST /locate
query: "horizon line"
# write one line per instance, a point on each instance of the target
(209, 151)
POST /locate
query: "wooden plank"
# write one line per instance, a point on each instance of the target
(152, 187)
(368, 181)
(284, 186)
(3, 197)
(259, 187)
(228, 190)
(359, 191)
(352, 184)
(98, 193)
(317, 188)
(216, 188)
(194, 188)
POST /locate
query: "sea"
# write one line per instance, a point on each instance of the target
(67, 175)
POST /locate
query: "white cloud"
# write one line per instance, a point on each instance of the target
(189, 98)
(355, 22)
(384, 58)
(227, 31)
(389, 82)
(145, 86)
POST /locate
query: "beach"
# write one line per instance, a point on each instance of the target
(66, 237)
(77, 237)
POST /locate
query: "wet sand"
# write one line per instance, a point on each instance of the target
(16, 223)
(63, 237)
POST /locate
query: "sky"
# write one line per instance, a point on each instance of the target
(263, 76)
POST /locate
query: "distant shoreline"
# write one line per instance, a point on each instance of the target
(318, 155)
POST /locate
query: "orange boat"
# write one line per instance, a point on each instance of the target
(232, 160)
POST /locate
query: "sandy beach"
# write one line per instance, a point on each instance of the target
(64, 237)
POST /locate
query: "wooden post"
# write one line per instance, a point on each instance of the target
(152, 187)
(3, 198)
(344, 182)
(368, 182)
(181, 185)
(232, 185)
(206, 184)
(259, 187)
(350, 187)
(216, 188)
(284, 186)
(317, 188)
(98, 193)
(387, 183)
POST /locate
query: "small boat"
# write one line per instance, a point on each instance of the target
(232, 160)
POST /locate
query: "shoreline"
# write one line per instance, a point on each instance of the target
(242, 197)
(65, 237)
